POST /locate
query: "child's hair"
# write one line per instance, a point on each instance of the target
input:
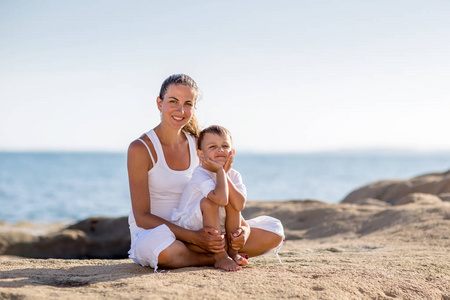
(214, 129)
(181, 79)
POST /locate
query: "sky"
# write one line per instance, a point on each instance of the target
(282, 76)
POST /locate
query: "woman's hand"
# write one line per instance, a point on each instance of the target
(239, 238)
(210, 240)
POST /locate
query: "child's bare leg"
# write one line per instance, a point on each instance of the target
(210, 212)
(232, 223)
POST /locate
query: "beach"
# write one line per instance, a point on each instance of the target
(387, 240)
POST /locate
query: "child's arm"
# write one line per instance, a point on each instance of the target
(220, 194)
(240, 237)
(237, 198)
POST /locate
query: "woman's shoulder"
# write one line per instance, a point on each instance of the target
(140, 143)
(141, 147)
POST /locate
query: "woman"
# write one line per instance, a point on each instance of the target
(160, 164)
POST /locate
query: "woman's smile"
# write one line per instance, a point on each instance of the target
(178, 118)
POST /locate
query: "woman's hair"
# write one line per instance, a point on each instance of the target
(181, 79)
(214, 129)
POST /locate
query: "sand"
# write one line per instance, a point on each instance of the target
(332, 251)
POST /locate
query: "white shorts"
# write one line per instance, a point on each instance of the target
(146, 245)
(193, 218)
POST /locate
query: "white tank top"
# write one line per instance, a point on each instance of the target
(166, 185)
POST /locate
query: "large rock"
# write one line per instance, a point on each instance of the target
(420, 217)
(391, 191)
(91, 238)
(418, 198)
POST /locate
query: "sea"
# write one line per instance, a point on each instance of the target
(63, 187)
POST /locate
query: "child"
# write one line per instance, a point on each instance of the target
(215, 195)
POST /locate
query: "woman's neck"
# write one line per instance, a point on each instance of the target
(169, 136)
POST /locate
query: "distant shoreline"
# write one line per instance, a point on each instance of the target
(355, 151)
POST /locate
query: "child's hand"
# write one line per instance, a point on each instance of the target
(211, 165)
(237, 239)
(229, 163)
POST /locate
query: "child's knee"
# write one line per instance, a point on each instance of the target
(208, 205)
(231, 210)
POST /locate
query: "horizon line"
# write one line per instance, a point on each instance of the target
(353, 151)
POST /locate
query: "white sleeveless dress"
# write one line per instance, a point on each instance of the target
(166, 187)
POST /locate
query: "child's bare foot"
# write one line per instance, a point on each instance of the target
(239, 259)
(224, 262)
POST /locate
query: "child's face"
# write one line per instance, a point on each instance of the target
(216, 148)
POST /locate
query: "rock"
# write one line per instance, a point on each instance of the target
(62, 244)
(420, 198)
(311, 220)
(370, 201)
(391, 191)
(445, 197)
(107, 238)
(374, 190)
(13, 239)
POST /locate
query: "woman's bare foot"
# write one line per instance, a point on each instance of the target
(224, 262)
(239, 259)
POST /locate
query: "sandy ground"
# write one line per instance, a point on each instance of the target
(311, 270)
(403, 253)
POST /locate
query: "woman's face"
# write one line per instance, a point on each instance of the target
(177, 106)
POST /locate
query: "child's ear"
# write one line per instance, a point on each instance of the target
(200, 154)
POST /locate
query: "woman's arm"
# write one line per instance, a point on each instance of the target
(139, 163)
